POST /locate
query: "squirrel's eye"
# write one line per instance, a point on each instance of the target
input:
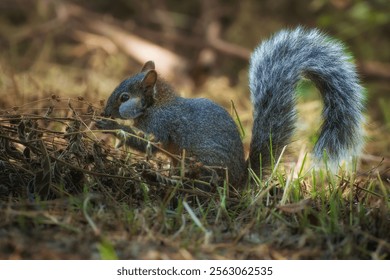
(124, 97)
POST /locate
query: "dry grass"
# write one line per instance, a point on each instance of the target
(66, 194)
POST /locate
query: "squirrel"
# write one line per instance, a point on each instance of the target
(209, 134)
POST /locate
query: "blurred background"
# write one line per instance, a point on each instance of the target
(85, 48)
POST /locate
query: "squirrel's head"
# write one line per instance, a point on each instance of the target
(134, 95)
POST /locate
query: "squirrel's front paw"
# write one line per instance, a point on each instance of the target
(106, 124)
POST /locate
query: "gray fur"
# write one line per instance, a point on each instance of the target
(208, 133)
(131, 109)
(204, 129)
(275, 69)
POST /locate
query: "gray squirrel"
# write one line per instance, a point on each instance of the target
(209, 134)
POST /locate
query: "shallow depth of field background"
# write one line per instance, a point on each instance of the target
(83, 49)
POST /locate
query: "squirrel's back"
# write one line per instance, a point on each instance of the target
(276, 66)
(202, 128)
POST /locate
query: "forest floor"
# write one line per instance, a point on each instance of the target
(67, 193)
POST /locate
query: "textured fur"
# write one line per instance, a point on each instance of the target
(276, 66)
(208, 133)
(204, 129)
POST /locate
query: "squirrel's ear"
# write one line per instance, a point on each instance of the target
(148, 66)
(150, 78)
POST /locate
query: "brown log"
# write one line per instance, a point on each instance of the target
(169, 64)
(140, 49)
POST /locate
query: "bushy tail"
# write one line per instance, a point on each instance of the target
(276, 66)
